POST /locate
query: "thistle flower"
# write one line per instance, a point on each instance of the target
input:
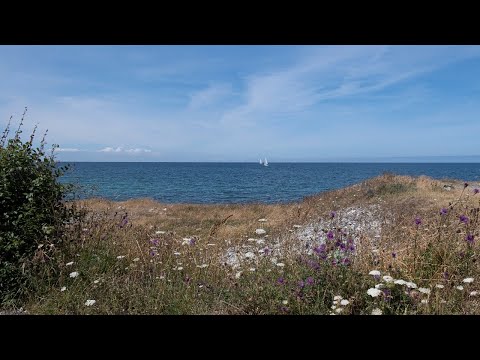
(90, 302)
(154, 242)
(333, 214)
(301, 284)
(310, 280)
(394, 255)
(418, 220)
(463, 219)
(74, 274)
(330, 235)
(281, 281)
(470, 238)
(444, 211)
(377, 311)
(374, 292)
(475, 191)
(468, 280)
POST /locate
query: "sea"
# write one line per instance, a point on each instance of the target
(226, 183)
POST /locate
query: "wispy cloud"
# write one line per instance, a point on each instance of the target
(122, 150)
(210, 95)
(68, 150)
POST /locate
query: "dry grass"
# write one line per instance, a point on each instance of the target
(173, 281)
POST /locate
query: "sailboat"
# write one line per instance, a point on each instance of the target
(261, 162)
(265, 163)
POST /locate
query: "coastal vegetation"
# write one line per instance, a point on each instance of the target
(391, 245)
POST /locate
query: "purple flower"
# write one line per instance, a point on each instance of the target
(332, 214)
(152, 253)
(154, 242)
(470, 238)
(124, 221)
(445, 275)
(342, 246)
(465, 185)
(266, 251)
(346, 261)
(301, 284)
(310, 280)
(464, 219)
(444, 211)
(394, 255)
(320, 249)
(281, 281)
(418, 220)
(192, 241)
(330, 235)
(284, 309)
(475, 191)
(352, 248)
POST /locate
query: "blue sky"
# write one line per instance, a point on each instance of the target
(240, 103)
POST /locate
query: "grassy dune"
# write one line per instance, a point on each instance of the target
(144, 257)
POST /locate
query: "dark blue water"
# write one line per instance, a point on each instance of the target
(241, 182)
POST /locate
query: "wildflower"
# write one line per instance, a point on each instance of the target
(388, 279)
(339, 310)
(96, 281)
(475, 191)
(238, 274)
(280, 264)
(468, 280)
(424, 301)
(69, 263)
(252, 269)
(444, 211)
(374, 273)
(418, 220)
(180, 268)
(443, 301)
(285, 302)
(309, 280)
(411, 285)
(373, 292)
(463, 219)
(465, 185)
(90, 302)
(281, 281)
(154, 242)
(63, 289)
(474, 293)
(424, 290)
(301, 284)
(284, 309)
(333, 214)
(459, 287)
(74, 274)
(344, 302)
(470, 238)
(262, 220)
(152, 252)
(333, 307)
(320, 249)
(159, 232)
(379, 286)
(260, 231)
(120, 257)
(250, 255)
(136, 259)
(394, 255)
(439, 286)
(330, 235)
(377, 311)
(400, 282)
(202, 266)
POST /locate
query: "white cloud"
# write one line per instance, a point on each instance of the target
(122, 150)
(210, 95)
(68, 150)
(111, 149)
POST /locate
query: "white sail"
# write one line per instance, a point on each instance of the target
(261, 162)
(265, 162)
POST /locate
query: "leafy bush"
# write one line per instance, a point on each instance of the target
(33, 210)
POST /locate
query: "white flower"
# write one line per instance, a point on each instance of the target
(250, 255)
(238, 274)
(424, 301)
(74, 274)
(180, 268)
(96, 281)
(260, 232)
(374, 273)
(379, 286)
(400, 282)
(388, 279)
(459, 287)
(439, 286)
(280, 264)
(344, 302)
(337, 297)
(424, 290)
(443, 301)
(373, 292)
(339, 310)
(411, 285)
(90, 302)
(474, 293)
(333, 307)
(377, 311)
(210, 244)
(69, 263)
(120, 257)
(63, 289)
(202, 266)
(297, 226)
(262, 220)
(177, 253)
(468, 280)
(252, 269)
(136, 259)
(159, 232)
(285, 302)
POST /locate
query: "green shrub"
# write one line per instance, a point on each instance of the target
(33, 210)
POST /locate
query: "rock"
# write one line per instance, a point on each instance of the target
(448, 187)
